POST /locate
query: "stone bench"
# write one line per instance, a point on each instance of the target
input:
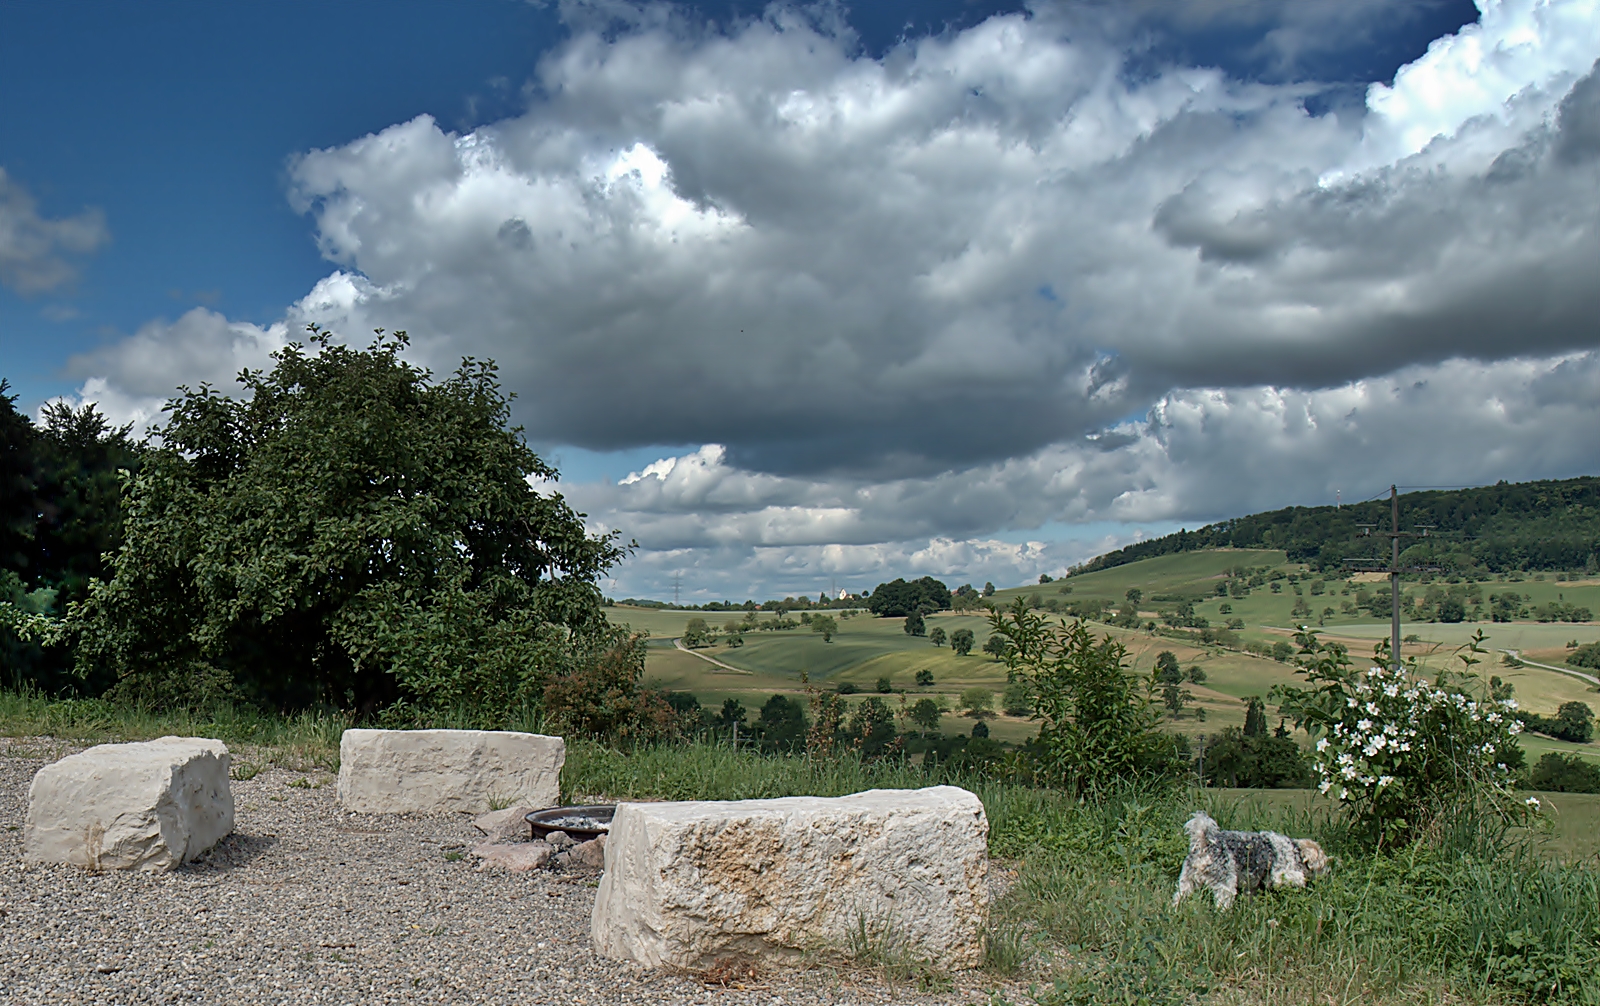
(443, 771)
(692, 885)
(148, 806)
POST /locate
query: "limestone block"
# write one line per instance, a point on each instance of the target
(693, 885)
(148, 806)
(509, 825)
(443, 771)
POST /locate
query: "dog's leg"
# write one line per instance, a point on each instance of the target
(1224, 895)
(1185, 885)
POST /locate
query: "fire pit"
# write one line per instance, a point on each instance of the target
(581, 823)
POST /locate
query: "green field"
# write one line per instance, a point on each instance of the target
(868, 648)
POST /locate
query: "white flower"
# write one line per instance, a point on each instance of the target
(1372, 708)
(1364, 726)
(1343, 793)
(1322, 745)
(1391, 729)
(1385, 781)
(1326, 785)
(1533, 802)
(1351, 702)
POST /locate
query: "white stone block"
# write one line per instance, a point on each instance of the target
(692, 884)
(148, 806)
(443, 771)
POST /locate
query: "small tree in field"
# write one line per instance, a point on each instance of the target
(914, 624)
(961, 642)
(1099, 725)
(995, 645)
(936, 637)
(824, 625)
(977, 702)
(924, 678)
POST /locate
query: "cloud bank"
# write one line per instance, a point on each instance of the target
(996, 280)
(34, 249)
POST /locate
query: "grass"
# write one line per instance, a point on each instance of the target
(304, 742)
(1088, 919)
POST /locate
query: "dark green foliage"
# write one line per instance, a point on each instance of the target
(995, 646)
(885, 685)
(924, 678)
(870, 729)
(961, 641)
(1528, 525)
(697, 634)
(925, 713)
(1587, 655)
(899, 598)
(353, 533)
(1017, 699)
(1559, 773)
(1574, 722)
(846, 688)
(733, 711)
(1238, 757)
(914, 625)
(1255, 717)
(1167, 671)
(19, 503)
(937, 636)
(1099, 726)
(781, 727)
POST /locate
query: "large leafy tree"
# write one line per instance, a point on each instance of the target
(350, 532)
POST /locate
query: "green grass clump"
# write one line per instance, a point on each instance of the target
(304, 741)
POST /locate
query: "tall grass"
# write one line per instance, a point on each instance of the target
(302, 741)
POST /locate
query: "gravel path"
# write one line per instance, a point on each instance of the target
(305, 903)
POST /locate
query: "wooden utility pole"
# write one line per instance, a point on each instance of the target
(1394, 568)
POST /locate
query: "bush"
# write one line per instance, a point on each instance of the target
(1017, 699)
(1099, 725)
(601, 696)
(1560, 773)
(977, 702)
(885, 685)
(1399, 752)
(1587, 655)
(1573, 722)
(924, 678)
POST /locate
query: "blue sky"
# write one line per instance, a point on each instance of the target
(871, 385)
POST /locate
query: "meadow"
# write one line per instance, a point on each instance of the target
(866, 649)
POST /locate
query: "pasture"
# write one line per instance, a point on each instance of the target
(866, 649)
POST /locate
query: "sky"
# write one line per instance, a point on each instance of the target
(811, 296)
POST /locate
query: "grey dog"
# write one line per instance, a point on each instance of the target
(1231, 862)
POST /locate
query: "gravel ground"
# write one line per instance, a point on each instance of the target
(305, 903)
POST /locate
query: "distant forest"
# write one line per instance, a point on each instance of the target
(1552, 525)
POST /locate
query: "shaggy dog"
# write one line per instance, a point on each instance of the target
(1230, 862)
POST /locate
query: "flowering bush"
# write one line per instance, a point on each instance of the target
(1396, 750)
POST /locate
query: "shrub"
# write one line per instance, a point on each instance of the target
(1561, 773)
(1573, 722)
(1099, 725)
(601, 695)
(1017, 699)
(885, 685)
(977, 702)
(1396, 750)
(1587, 655)
(924, 678)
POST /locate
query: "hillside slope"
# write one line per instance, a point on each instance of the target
(1550, 525)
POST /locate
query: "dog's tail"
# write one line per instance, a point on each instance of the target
(1197, 827)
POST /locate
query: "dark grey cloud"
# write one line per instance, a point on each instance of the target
(909, 303)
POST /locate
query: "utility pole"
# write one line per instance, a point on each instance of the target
(677, 578)
(1394, 568)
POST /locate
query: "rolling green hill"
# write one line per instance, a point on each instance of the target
(1550, 525)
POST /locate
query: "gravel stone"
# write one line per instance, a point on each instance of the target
(307, 903)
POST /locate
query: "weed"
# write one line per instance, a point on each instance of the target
(243, 771)
(454, 856)
(499, 803)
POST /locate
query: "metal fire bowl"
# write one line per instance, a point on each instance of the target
(543, 822)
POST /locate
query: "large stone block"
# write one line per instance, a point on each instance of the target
(148, 806)
(693, 884)
(441, 771)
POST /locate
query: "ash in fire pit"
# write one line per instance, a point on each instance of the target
(582, 823)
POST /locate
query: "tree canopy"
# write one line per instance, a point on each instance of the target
(350, 532)
(898, 598)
